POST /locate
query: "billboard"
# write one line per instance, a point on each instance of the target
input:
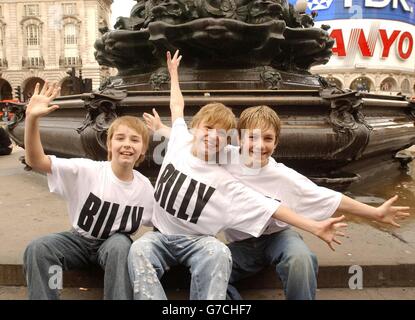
(369, 33)
(394, 10)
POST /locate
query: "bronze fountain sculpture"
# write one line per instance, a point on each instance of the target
(241, 53)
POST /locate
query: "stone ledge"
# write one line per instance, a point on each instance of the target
(375, 276)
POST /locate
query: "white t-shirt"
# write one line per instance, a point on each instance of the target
(193, 197)
(294, 190)
(99, 203)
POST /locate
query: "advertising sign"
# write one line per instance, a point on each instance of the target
(369, 33)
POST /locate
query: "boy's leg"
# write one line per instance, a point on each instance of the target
(247, 259)
(46, 257)
(210, 264)
(112, 257)
(296, 265)
(148, 259)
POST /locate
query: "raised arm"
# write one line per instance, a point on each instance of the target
(176, 97)
(386, 213)
(326, 230)
(38, 107)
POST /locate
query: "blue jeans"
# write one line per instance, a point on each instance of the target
(295, 264)
(69, 250)
(154, 253)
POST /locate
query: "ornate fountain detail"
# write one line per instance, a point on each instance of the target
(241, 53)
(213, 35)
(102, 109)
(348, 121)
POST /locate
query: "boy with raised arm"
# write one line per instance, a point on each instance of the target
(195, 199)
(107, 201)
(259, 128)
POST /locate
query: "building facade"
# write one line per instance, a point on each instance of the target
(374, 44)
(41, 40)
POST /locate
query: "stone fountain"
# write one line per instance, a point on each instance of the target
(241, 53)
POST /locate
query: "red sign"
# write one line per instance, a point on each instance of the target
(404, 40)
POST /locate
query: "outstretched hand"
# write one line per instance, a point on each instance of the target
(153, 121)
(387, 213)
(39, 104)
(329, 229)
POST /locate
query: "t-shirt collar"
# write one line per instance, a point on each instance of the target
(116, 179)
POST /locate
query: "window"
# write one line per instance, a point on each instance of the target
(70, 34)
(69, 8)
(34, 61)
(389, 84)
(406, 86)
(31, 10)
(335, 82)
(1, 36)
(71, 61)
(362, 84)
(32, 32)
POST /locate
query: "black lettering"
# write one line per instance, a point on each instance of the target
(201, 201)
(89, 210)
(136, 219)
(101, 219)
(110, 221)
(168, 171)
(124, 219)
(167, 188)
(186, 199)
(174, 193)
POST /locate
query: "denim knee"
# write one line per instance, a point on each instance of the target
(118, 245)
(140, 255)
(218, 253)
(136, 251)
(115, 250)
(140, 267)
(143, 247)
(301, 261)
(36, 249)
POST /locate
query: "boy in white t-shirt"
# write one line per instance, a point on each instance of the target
(107, 201)
(259, 129)
(195, 199)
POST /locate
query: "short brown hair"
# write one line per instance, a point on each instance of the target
(215, 114)
(133, 123)
(260, 117)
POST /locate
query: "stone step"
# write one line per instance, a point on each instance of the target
(397, 293)
(178, 278)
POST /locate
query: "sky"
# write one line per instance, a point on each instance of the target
(120, 8)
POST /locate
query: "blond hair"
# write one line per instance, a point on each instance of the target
(215, 114)
(133, 123)
(260, 117)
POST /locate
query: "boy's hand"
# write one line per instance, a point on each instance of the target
(39, 104)
(327, 230)
(173, 63)
(153, 122)
(389, 214)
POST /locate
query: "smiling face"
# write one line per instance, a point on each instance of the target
(258, 145)
(259, 128)
(210, 126)
(127, 142)
(208, 140)
(126, 147)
